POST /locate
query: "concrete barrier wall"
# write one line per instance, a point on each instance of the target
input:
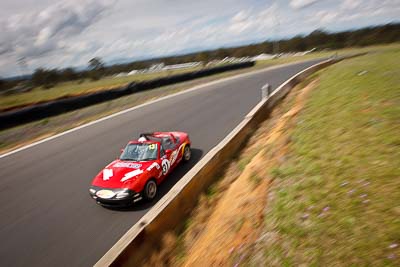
(13, 118)
(146, 235)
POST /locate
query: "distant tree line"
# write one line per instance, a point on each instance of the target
(318, 39)
(8, 84)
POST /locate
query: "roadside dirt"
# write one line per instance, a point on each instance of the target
(226, 225)
(234, 224)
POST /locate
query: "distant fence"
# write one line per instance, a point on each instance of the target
(13, 118)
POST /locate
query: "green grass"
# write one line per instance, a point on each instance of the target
(337, 197)
(255, 179)
(211, 192)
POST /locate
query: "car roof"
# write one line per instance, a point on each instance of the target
(154, 138)
(143, 142)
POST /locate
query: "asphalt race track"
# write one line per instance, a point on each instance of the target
(46, 215)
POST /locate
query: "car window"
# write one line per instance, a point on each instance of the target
(140, 152)
(168, 143)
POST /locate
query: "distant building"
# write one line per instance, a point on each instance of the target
(309, 51)
(263, 57)
(122, 74)
(156, 67)
(132, 72)
(182, 66)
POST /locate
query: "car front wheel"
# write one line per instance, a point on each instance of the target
(150, 190)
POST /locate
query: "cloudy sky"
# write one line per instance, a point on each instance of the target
(51, 34)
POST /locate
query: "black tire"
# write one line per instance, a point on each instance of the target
(187, 154)
(150, 190)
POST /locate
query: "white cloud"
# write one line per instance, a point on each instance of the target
(241, 16)
(253, 21)
(36, 34)
(299, 4)
(350, 4)
(325, 17)
(353, 10)
(72, 32)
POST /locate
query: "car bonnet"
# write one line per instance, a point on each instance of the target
(119, 172)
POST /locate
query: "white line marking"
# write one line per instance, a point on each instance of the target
(147, 103)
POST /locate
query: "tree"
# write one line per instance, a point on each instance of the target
(96, 64)
(96, 67)
(318, 38)
(203, 57)
(45, 78)
(221, 53)
(38, 77)
(68, 74)
(297, 44)
(2, 84)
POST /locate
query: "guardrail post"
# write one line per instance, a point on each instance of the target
(265, 91)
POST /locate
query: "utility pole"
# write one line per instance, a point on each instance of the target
(23, 66)
(276, 43)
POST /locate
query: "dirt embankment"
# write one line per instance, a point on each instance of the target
(228, 220)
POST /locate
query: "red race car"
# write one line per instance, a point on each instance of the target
(142, 166)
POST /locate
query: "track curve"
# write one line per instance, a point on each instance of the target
(47, 216)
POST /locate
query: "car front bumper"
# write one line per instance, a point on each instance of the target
(128, 200)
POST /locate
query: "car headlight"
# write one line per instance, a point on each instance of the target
(122, 194)
(92, 191)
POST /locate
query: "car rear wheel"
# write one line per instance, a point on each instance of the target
(187, 154)
(150, 190)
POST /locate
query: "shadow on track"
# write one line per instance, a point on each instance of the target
(168, 183)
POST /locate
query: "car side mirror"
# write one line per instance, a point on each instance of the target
(168, 151)
(122, 150)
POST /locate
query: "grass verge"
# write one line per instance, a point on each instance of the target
(335, 200)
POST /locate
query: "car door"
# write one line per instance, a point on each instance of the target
(164, 163)
(174, 154)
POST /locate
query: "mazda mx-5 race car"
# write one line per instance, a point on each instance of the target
(142, 166)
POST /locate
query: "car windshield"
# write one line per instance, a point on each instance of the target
(140, 152)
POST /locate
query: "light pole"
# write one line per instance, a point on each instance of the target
(276, 43)
(23, 66)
